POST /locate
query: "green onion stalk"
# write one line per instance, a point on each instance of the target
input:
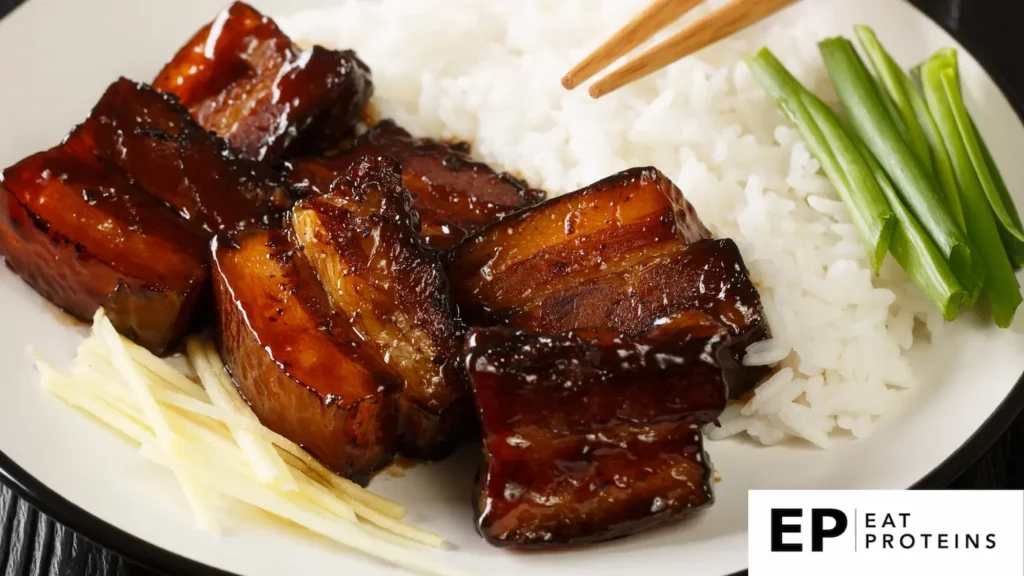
(914, 250)
(836, 152)
(980, 195)
(1011, 239)
(916, 120)
(872, 122)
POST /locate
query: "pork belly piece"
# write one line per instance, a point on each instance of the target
(592, 435)
(84, 236)
(244, 79)
(454, 195)
(300, 365)
(614, 224)
(707, 276)
(362, 240)
(626, 253)
(119, 215)
(153, 139)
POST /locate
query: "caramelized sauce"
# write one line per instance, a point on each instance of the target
(454, 194)
(593, 435)
(304, 370)
(154, 140)
(244, 79)
(400, 466)
(65, 319)
(361, 237)
(627, 253)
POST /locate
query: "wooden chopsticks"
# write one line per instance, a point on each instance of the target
(646, 24)
(709, 29)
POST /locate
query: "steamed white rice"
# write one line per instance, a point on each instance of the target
(488, 72)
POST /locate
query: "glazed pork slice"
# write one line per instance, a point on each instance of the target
(151, 138)
(84, 236)
(627, 253)
(120, 214)
(592, 435)
(454, 194)
(244, 79)
(615, 224)
(362, 241)
(301, 366)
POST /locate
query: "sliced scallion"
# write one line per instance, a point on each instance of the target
(984, 167)
(916, 186)
(919, 127)
(1014, 248)
(892, 89)
(835, 151)
(914, 250)
(941, 88)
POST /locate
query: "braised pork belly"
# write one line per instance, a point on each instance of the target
(304, 370)
(119, 214)
(153, 139)
(376, 293)
(627, 253)
(361, 239)
(454, 194)
(84, 237)
(593, 435)
(244, 79)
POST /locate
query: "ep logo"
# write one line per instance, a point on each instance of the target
(823, 523)
(884, 532)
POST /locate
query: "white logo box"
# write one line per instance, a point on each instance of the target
(896, 532)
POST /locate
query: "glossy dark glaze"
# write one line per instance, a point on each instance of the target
(154, 140)
(306, 373)
(592, 435)
(454, 195)
(242, 78)
(626, 253)
(362, 240)
(615, 222)
(119, 215)
(707, 276)
(84, 234)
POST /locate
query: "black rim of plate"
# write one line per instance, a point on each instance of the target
(162, 560)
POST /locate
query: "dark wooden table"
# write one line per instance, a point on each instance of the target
(33, 544)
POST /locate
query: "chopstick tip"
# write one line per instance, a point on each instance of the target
(568, 82)
(596, 90)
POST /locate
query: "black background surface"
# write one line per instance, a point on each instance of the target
(33, 544)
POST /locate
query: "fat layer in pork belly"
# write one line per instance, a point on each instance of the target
(301, 366)
(362, 240)
(454, 194)
(244, 79)
(119, 214)
(627, 253)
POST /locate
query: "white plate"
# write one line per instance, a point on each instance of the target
(56, 58)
